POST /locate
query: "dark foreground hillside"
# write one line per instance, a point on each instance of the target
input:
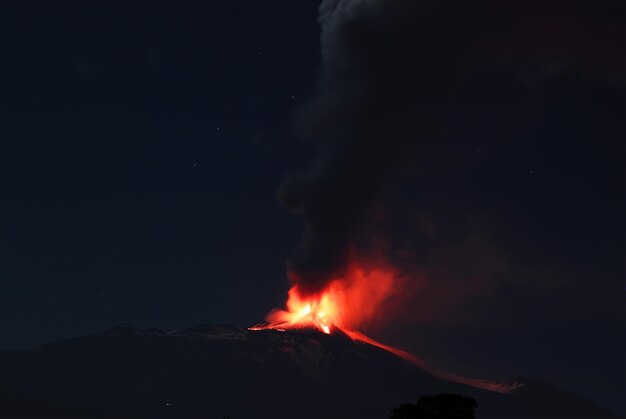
(225, 371)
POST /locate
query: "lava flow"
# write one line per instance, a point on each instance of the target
(350, 302)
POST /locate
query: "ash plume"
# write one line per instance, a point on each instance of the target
(394, 73)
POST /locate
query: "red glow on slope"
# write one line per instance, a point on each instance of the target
(474, 382)
(349, 303)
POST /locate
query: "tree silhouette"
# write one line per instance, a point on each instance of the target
(439, 406)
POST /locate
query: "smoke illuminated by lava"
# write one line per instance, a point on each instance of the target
(351, 302)
(347, 303)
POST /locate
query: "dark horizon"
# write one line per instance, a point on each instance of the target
(168, 166)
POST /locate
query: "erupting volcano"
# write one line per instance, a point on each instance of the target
(350, 302)
(346, 303)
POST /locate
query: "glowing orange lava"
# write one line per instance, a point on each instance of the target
(347, 303)
(351, 302)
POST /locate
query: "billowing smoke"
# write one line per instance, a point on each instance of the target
(389, 131)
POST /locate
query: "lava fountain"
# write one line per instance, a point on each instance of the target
(350, 302)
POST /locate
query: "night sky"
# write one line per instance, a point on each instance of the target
(159, 165)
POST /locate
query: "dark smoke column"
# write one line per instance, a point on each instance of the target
(388, 65)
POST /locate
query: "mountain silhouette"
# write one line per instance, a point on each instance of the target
(224, 371)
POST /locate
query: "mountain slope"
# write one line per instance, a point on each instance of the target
(217, 371)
